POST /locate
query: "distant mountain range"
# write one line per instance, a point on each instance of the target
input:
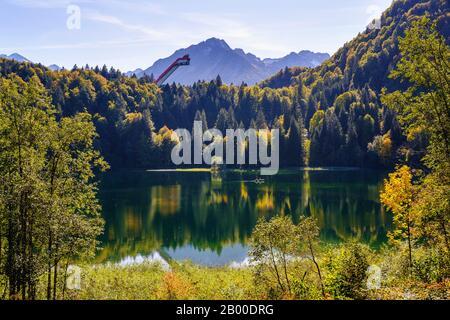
(15, 56)
(20, 58)
(215, 57)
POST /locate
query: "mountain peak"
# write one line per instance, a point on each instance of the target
(54, 67)
(218, 43)
(214, 57)
(15, 56)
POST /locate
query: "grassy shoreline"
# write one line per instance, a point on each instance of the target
(188, 281)
(150, 281)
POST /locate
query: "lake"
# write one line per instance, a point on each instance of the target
(208, 219)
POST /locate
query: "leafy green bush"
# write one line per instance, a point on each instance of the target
(346, 271)
(306, 290)
(431, 265)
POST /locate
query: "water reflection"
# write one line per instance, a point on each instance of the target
(191, 215)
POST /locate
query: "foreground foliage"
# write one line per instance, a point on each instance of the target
(344, 273)
(49, 213)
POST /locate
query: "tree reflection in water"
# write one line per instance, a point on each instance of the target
(190, 214)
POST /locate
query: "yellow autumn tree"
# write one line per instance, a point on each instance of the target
(398, 197)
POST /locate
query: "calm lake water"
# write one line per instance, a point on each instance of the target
(177, 215)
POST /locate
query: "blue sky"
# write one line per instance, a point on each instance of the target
(128, 34)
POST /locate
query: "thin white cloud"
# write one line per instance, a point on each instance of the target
(221, 26)
(113, 20)
(139, 6)
(82, 45)
(48, 4)
(203, 25)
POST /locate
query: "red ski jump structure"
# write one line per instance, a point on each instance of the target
(184, 61)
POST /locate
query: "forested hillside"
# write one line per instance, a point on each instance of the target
(330, 115)
(343, 107)
(134, 117)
